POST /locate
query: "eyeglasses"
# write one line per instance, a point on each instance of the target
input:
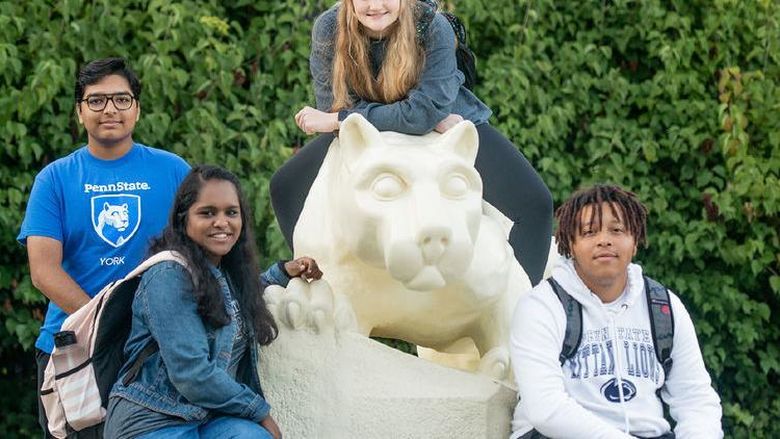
(122, 101)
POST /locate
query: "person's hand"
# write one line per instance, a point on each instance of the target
(312, 120)
(269, 424)
(448, 122)
(304, 267)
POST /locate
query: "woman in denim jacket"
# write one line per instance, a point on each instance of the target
(206, 321)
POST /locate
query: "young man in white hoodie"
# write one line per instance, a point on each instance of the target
(608, 388)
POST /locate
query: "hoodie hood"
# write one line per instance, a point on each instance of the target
(566, 275)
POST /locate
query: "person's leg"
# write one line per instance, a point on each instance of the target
(228, 427)
(94, 432)
(41, 360)
(291, 183)
(186, 431)
(512, 186)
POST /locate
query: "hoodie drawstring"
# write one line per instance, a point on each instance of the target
(619, 368)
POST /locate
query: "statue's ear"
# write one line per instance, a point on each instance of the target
(462, 139)
(355, 135)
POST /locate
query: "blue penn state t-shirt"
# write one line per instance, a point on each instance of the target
(104, 212)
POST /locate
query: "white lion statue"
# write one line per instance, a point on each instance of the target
(398, 225)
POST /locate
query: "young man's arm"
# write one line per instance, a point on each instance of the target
(45, 256)
(535, 343)
(693, 403)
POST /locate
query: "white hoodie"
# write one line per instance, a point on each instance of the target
(583, 398)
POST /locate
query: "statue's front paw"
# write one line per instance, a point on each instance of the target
(310, 305)
(495, 363)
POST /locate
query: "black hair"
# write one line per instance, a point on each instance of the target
(98, 69)
(240, 264)
(631, 211)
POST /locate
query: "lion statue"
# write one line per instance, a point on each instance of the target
(399, 227)
(114, 216)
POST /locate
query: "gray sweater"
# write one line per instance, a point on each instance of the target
(439, 92)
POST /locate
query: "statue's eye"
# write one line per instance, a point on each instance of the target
(387, 187)
(455, 186)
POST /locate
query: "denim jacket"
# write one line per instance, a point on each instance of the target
(186, 377)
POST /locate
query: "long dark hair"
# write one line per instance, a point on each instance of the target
(240, 263)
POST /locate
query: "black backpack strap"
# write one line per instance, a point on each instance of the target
(425, 13)
(148, 350)
(458, 27)
(661, 322)
(573, 310)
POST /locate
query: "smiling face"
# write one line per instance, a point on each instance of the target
(602, 251)
(109, 131)
(376, 16)
(214, 220)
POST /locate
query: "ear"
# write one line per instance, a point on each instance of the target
(138, 110)
(462, 139)
(355, 135)
(78, 114)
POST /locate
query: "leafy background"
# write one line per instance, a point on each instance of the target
(677, 100)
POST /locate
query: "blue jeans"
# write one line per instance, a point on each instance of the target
(223, 427)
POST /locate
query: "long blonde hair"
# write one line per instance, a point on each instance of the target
(401, 68)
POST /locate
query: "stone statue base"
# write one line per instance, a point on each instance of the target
(340, 384)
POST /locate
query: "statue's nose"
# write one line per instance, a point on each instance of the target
(433, 241)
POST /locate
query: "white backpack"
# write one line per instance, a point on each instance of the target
(88, 354)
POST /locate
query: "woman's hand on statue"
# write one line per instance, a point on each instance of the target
(312, 120)
(448, 122)
(269, 424)
(304, 267)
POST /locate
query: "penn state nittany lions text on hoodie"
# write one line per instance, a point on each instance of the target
(608, 389)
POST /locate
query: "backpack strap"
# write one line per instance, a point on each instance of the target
(661, 322)
(167, 255)
(425, 13)
(427, 9)
(147, 351)
(573, 310)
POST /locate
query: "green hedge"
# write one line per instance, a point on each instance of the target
(677, 100)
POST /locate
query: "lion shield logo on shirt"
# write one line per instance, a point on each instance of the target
(116, 218)
(612, 393)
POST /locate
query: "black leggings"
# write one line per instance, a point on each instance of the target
(510, 184)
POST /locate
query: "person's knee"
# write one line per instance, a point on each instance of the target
(537, 200)
(544, 201)
(299, 171)
(530, 207)
(245, 429)
(236, 428)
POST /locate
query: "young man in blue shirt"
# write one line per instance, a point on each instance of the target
(91, 214)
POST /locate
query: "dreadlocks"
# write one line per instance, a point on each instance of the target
(623, 204)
